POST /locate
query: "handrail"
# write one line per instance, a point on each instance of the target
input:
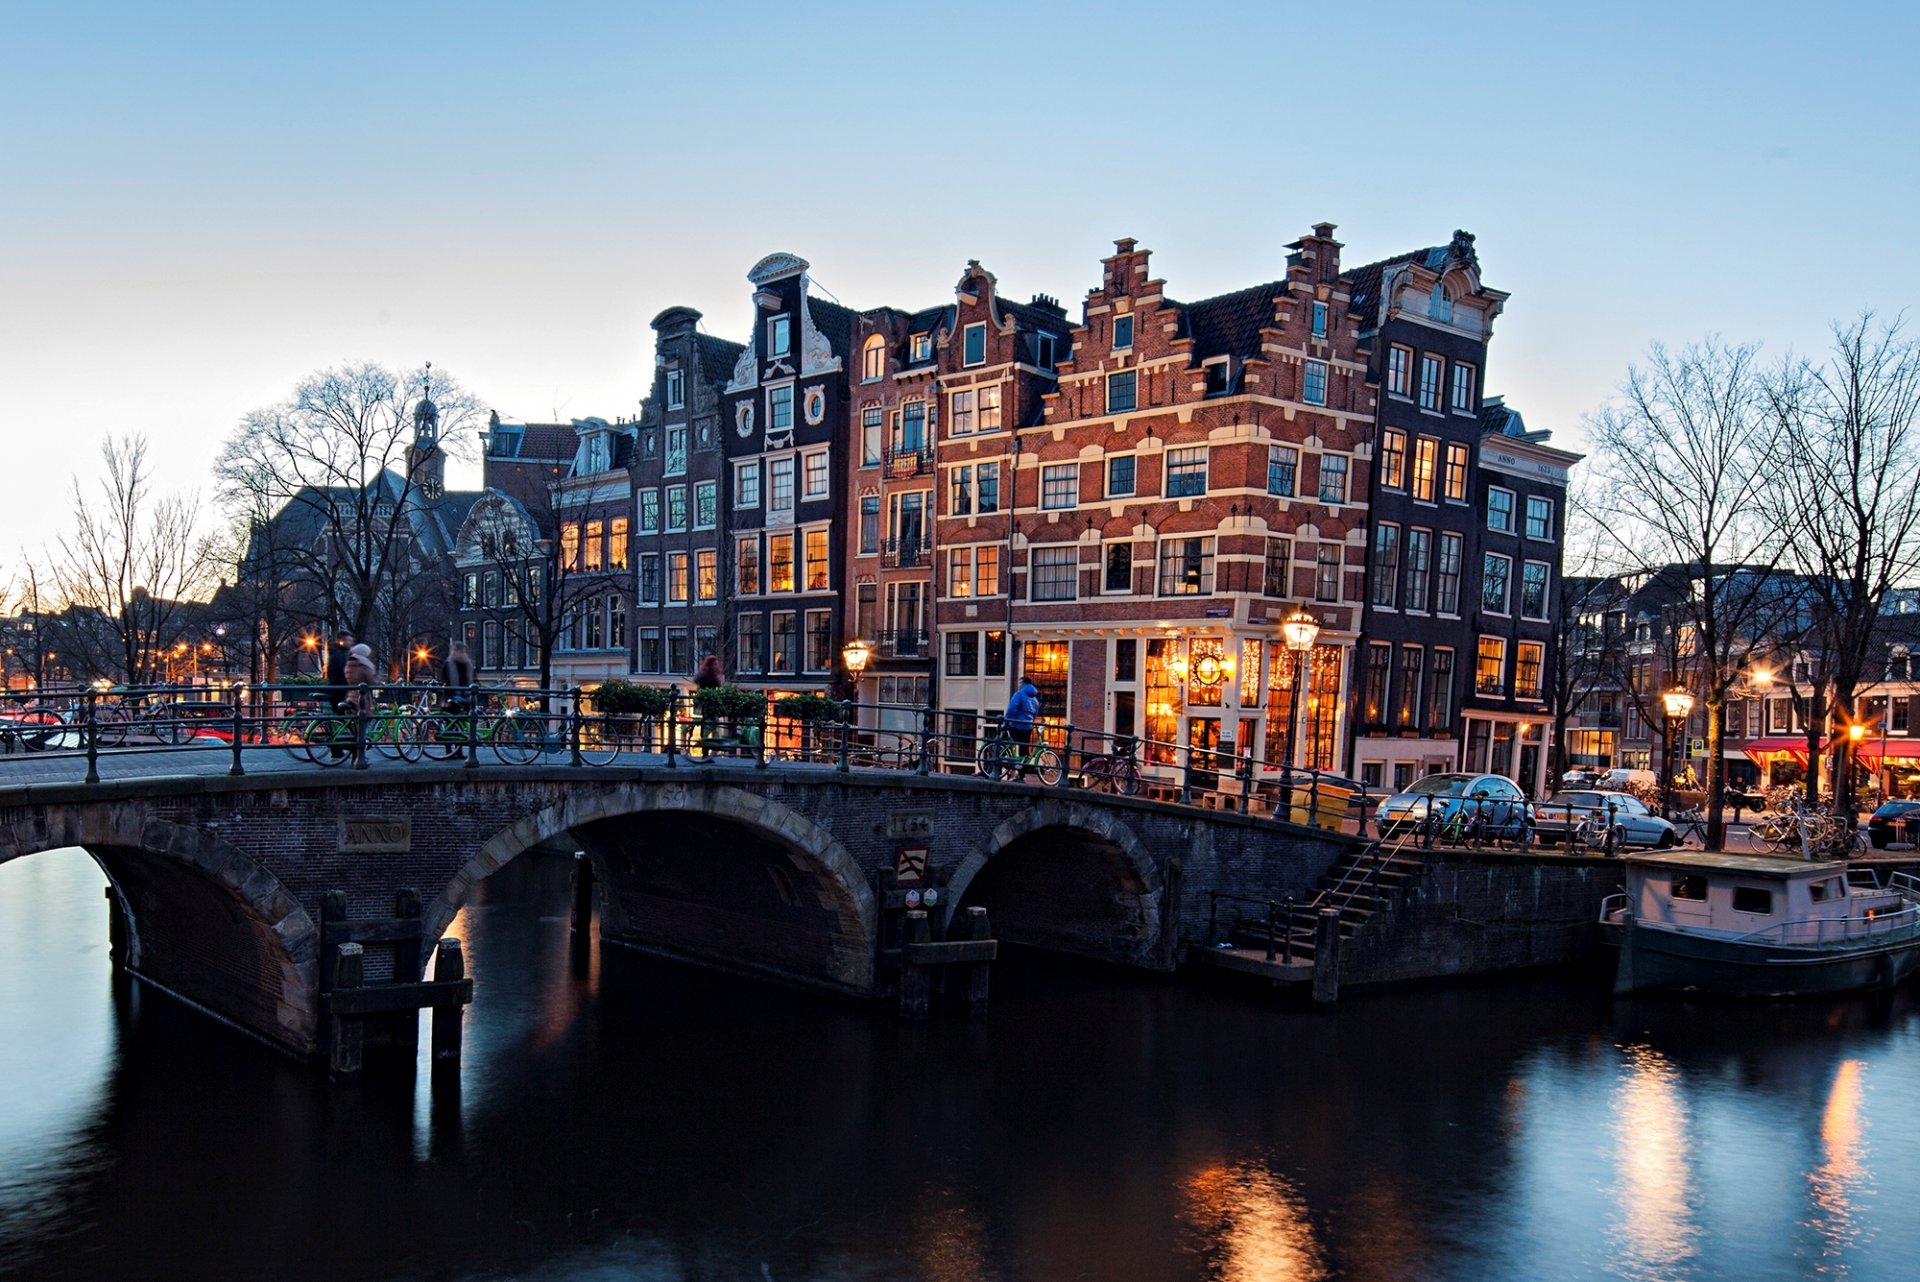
(1898, 921)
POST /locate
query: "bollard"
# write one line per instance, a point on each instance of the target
(582, 919)
(93, 737)
(846, 734)
(239, 735)
(1246, 780)
(915, 980)
(449, 964)
(349, 971)
(1326, 957)
(573, 727)
(673, 723)
(977, 972)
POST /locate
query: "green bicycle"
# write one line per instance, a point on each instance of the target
(1003, 759)
(516, 738)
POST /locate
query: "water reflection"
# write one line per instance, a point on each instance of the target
(1839, 1184)
(1252, 1226)
(1654, 1235)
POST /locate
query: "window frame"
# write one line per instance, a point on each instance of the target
(1128, 379)
(1315, 377)
(1059, 571)
(1180, 471)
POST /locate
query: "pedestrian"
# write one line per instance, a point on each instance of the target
(337, 651)
(1022, 709)
(359, 672)
(709, 676)
(460, 677)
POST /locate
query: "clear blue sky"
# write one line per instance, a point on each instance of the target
(203, 203)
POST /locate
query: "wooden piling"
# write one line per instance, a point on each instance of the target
(349, 972)
(916, 985)
(977, 971)
(582, 919)
(450, 963)
(1326, 957)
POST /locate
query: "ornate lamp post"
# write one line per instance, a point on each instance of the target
(856, 654)
(1301, 630)
(311, 644)
(1678, 704)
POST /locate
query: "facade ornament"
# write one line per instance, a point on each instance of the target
(743, 418)
(816, 353)
(815, 406)
(775, 267)
(745, 373)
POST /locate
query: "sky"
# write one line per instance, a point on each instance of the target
(201, 204)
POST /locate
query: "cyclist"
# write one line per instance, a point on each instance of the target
(1022, 709)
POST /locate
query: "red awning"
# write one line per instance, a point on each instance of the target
(1785, 745)
(1869, 752)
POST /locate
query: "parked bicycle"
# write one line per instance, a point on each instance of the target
(1114, 770)
(1003, 759)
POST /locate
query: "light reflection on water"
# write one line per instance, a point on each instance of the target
(617, 1118)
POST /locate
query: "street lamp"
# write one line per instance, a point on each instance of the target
(1678, 704)
(419, 656)
(856, 655)
(1301, 630)
(311, 644)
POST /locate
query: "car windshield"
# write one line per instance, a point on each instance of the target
(1439, 786)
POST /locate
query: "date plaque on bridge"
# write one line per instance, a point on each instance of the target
(904, 825)
(375, 834)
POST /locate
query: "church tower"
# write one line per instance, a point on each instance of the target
(426, 461)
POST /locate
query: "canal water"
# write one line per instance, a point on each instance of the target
(624, 1119)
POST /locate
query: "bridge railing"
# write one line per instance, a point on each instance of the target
(307, 724)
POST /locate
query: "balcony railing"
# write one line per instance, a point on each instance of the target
(905, 554)
(904, 643)
(909, 461)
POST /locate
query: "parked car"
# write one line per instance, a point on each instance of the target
(1621, 778)
(1555, 818)
(1448, 798)
(1580, 777)
(1893, 821)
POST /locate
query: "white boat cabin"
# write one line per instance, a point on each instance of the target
(1730, 894)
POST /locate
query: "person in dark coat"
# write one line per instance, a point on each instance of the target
(460, 677)
(337, 651)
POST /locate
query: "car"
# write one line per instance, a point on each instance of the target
(1580, 777)
(1894, 821)
(1621, 778)
(1555, 818)
(1452, 798)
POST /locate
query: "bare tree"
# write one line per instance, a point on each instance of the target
(1589, 651)
(1850, 492)
(1686, 451)
(329, 468)
(132, 561)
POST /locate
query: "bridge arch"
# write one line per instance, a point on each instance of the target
(1070, 877)
(202, 920)
(632, 830)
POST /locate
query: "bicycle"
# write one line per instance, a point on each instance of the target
(1690, 828)
(516, 738)
(1002, 759)
(1114, 770)
(324, 738)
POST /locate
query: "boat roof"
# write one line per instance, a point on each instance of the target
(1781, 867)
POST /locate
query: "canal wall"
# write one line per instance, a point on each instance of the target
(1472, 913)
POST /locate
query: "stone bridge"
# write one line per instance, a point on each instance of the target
(774, 871)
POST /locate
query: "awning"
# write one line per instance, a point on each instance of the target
(1794, 746)
(1870, 752)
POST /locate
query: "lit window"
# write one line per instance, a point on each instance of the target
(677, 579)
(746, 565)
(818, 570)
(1528, 657)
(1490, 672)
(707, 574)
(873, 359)
(780, 563)
(1425, 454)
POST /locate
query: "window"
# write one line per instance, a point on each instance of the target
(1440, 692)
(1276, 577)
(963, 654)
(780, 408)
(1327, 572)
(1500, 510)
(470, 592)
(907, 525)
(1490, 672)
(1283, 470)
(1446, 596)
(753, 643)
(1373, 698)
(1043, 351)
(706, 578)
(1386, 565)
(1319, 320)
(869, 523)
(1059, 485)
(960, 572)
(1463, 376)
(1430, 382)
(746, 565)
(920, 347)
(676, 389)
(1406, 708)
(1399, 370)
(1119, 476)
(819, 574)
(1419, 556)
(596, 545)
(780, 485)
(973, 345)
(1186, 472)
(1539, 517)
(676, 507)
(1496, 570)
(1752, 899)
(649, 444)
(814, 465)
(1528, 659)
(1456, 480)
(786, 641)
(1333, 478)
(993, 660)
(650, 577)
(1219, 372)
(649, 658)
(1119, 568)
(872, 420)
(1533, 590)
(678, 582)
(1439, 306)
(1120, 392)
(910, 429)
(986, 570)
(676, 464)
(617, 544)
(987, 487)
(1186, 566)
(779, 336)
(960, 414)
(873, 359)
(960, 491)
(1313, 383)
(649, 511)
(1122, 333)
(746, 484)
(569, 552)
(706, 505)
(819, 640)
(1055, 572)
(988, 399)
(1425, 452)
(779, 563)
(1393, 459)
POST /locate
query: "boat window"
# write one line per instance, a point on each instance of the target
(1690, 888)
(1752, 899)
(1829, 889)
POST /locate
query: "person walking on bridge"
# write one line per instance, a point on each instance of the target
(1022, 709)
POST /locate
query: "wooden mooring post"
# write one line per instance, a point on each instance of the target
(917, 960)
(581, 922)
(449, 966)
(356, 1012)
(1326, 957)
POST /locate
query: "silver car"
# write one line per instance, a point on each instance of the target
(1453, 799)
(1634, 825)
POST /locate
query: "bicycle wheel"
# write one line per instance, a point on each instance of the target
(1097, 774)
(330, 741)
(395, 736)
(516, 740)
(600, 740)
(440, 736)
(995, 759)
(110, 725)
(168, 726)
(1048, 765)
(1126, 778)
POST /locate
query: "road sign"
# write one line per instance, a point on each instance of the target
(910, 865)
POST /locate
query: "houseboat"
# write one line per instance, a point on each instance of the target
(1758, 926)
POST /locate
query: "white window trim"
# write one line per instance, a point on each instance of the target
(1512, 510)
(1106, 477)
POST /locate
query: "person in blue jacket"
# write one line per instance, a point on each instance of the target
(1022, 709)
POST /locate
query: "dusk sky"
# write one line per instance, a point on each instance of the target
(205, 203)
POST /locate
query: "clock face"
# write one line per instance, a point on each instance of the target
(743, 420)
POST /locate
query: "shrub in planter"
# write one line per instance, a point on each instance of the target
(730, 704)
(628, 699)
(810, 707)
